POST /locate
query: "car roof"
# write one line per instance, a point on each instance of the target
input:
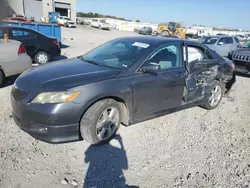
(218, 36)
(152, 40)
(19, 27)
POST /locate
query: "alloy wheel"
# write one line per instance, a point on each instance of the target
(215, 95)
(107, 123)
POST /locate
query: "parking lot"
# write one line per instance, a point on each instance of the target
(190, 148)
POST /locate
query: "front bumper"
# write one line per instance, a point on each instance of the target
(48, 123)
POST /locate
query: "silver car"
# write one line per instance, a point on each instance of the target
(13, 59)
(222, 44)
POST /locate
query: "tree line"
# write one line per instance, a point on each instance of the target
(97, 15)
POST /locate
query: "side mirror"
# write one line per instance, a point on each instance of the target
(220, 43)
(151, 67)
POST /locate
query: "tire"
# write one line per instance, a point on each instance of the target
(100, 27)
(1, 77)
(42, 57)
(218, 95)
(105, 131)
(164, 33)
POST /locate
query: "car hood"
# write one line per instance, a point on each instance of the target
(241, 54)
(63, 75)
(242, 51)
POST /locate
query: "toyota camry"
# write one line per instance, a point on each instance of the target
(124, 81)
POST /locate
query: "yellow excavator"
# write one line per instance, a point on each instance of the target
(171, 29)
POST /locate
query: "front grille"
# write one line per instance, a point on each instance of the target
(241, 58)
(19, 94)
(240, 63)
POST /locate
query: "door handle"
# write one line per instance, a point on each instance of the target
(180, 75)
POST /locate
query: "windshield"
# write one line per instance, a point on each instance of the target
(246, 44)
(119, 54)
(208, 40)
(102, 21)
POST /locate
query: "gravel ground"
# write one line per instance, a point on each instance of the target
(190, 148)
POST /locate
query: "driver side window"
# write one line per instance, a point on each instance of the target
(167, 57)
(222, 40)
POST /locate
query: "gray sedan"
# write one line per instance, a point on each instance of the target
(124, 81)
(146, 31)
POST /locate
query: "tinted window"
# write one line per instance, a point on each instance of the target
(102, 21)
(246, 44)
(118, 53)
(209, 40)
(236, 39)
(222, 40)
(207, 55)
(229, 40)
(21, 34)
(167, 57)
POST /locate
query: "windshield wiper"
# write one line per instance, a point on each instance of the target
(89, 61)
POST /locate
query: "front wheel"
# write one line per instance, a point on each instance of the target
(215, 95)
(101, 121)
(41, 57)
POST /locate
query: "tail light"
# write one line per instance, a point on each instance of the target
(55, 43)
(21, 49)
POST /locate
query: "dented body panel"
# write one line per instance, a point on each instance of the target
(202, 73)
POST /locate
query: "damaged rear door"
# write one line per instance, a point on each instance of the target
(202, 69)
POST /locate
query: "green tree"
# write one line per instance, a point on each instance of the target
(137, 21)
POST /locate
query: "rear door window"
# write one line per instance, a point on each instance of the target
(196, 53)
(229, 40)
(20, 34)
(236, 39)
(222, 40)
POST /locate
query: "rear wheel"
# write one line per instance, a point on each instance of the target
(1, 77)
(42, 57)
(101, 121)
(100, 27)
(164, 33)
(215, 95)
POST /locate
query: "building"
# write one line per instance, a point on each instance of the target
(38, 9)
(5, 9)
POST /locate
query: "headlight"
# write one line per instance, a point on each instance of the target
(55, 97)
